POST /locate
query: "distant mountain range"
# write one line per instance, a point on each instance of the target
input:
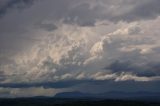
(152, 96)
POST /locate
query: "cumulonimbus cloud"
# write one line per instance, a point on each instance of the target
(80, 41)
(65, 56)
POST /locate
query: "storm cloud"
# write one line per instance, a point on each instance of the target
(73, 44)
(7, 5)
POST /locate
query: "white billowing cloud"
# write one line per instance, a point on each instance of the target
(75, 52)
(132, 29)
(81, 76)
(97, 49)
(62, 51)
(129, 76)
(104, 76)
(111, 46)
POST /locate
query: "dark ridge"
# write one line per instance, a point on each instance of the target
(141, 96)
(72, 102)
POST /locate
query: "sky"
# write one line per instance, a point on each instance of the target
(93, 46)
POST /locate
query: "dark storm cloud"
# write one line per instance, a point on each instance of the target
(2, 76)
(11, 30)
(148, 9)
(84, 15)
(146, 70)
(124, 86)
(92, 85)
(59, 84)
(10, 4)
